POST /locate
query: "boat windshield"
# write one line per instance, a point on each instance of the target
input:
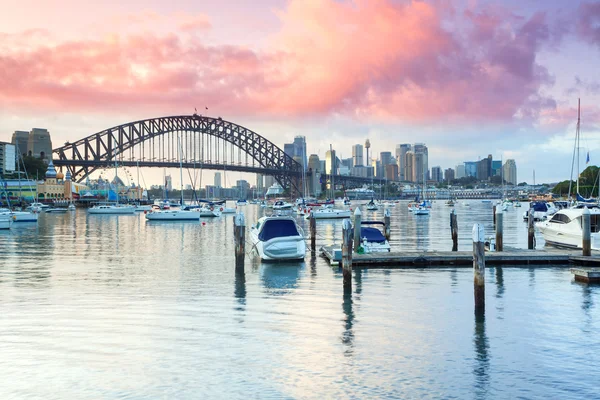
(372, 235)
(278, 228)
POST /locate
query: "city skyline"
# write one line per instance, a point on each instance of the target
(502, 80)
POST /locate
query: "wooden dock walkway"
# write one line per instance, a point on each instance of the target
(509, 257)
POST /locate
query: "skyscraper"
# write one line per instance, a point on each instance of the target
(20, 139)
(510, 172)
(386, 158)
(409, 165)
(297, 150)
(217, 180)
(420, 148)
(448, 175)
(459, 171)
(401, 150)
(419, 168)
(39, 144)
(330, 162)
(357, 155)
(314, 163)
(436, 173)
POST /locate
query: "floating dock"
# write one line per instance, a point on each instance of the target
(587, 275)
(517, 257)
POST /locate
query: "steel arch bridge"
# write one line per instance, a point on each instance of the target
(206, 142)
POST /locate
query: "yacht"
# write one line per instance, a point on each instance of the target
(209, 211)
(372, 239)
(565, 228)
(6, 221)
(172, 215)
(278, 238)
(106, 208)
(329, 213)
(56, 210)
(20, 216)
(37, 207)
(282, 205)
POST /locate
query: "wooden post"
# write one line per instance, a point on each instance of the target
(499, 234)
(530, 230)
(454, 230)
(494, 212)
(386, 219)
(586, 227)
(357, 223)
(313, 232)
(239, 234)
(479, 268)
(347, 254)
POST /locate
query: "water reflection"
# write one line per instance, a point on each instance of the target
(499, 282)
(348, 333)
(482, 361)
(422, 228)
(280, 278)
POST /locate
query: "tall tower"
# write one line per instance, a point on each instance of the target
(368, 146)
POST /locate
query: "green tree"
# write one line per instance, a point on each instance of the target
(35, 167)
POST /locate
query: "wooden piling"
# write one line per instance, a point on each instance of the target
(586, 228)
(347, 254)
(530, 230)
(499, 227)
(239, 234)
(454, 230)
(313, 232)
(388, 227)
(479, 268)
(494, 213)
(357, 224)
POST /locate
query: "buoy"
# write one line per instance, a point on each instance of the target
(204, 223)
(221, 209)
(145, 212)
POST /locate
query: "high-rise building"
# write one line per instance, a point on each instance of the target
(436, 173)
(448, 175)
(269, 181)
(39, 144)
(288, 148)
(422, 149)
(297, 150)
(330, 162)
(168, 183)
(323, 167)
(21, 139)
(260, 183)
(357, 155)
(401, 150)
(510, 172)
(7, 157)
(459, 171)
(347, 162)
(409, 166)
(242, 186)
(386, 158)
(419, 167)
(484, 168)
(391, 172)
(470, 168)
(314, 163)
(496, 167)
(217, 180)
(377, 168)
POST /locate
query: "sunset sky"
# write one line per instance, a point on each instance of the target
(468, 78)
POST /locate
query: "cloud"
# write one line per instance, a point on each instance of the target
(377, 59)
(588, 22)
(582, 86)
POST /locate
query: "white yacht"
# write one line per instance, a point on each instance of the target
(209, 211)
(37, 207)
(118, 209)
(282, 205)
(373, 240)
(6, 221)
(173, 215)
(56, 210)
(278, 238)
(20, 216)
(565, 228)
(328, 213)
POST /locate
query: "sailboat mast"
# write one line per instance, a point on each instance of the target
(332, 170)
(180, 170)
(116, 173)
(578, 138)
(138, 180)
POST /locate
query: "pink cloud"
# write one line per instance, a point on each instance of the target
(369, 59)
(588, 24)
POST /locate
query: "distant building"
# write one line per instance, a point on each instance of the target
(360, 170)
(401, 151)
(217, 180)
(323, 167)
(39, 144)
(419, 167)
(496, 168)
(484, 168)
(260, 185)
(377, 168)
(269, 181)
(510, 172)
(21, 139)
(436, 174)
(168, 183)
(459, 171)
(242, 186)
(347, 162)
(386, 158)
(420, 148)
(7, 158)
(330, 162)
(408, 166)
(391, 172)
(471, 168)
(357, 155)
(297, 150)
(314, 163)
(448, 175)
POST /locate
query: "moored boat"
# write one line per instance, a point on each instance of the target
(20, 216)
(278, 238)
(172, 215)
(564, 229)
(6, 221)
(115, 209)
(329, 213)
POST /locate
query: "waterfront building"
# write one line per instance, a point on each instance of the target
(510, 172)
(217, 180)
(7, 158)
(436, 173)
(57, 186)
(357, 155)
(20, 139)
(391, 172)
(459, 171)
(448, 175)
(39, 144)
(401, 151)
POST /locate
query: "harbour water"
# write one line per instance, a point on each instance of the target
(104, 307)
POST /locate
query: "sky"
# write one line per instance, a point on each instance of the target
(468, 78)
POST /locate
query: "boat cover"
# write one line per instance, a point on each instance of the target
(538, 206)
(373, 235)
(275, 228)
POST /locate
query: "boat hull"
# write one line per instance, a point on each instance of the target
(5, 221)
(290, 248)
(330, 214)
(561, 237)
(112, 211)
(173, 215)
(22, 216)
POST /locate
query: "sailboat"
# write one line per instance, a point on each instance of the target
(175, 214)
(113, 208)
(425, 205)
(21, 216)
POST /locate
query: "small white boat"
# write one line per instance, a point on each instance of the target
(421, 210)
(209, 211)
(541, 210)
(564, 229)
(278, 238)
(172, 215)
(242, 202)
(20, 216)
(372, 206)
(115, 209)
(56, 210)
(37, 207)
(450, 203)
(227, 210)
(372, 239)
(6, 221)
(329, 213)
(143, 207)
(71, 207)
(282, 205)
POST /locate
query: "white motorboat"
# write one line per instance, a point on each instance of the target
(282, 205)
(20, 216)
(565, 228)
(278, 238)
(242, 202)
(172, 215)
(329, 213)
(6, 221)
(37, 207)
(421, 210)
(115, 209)
(143, 207)
(56, 210)
(71, 207)
(450, 203)
(207, 211)
(372, 206)
(372, 239)
(227, 210)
